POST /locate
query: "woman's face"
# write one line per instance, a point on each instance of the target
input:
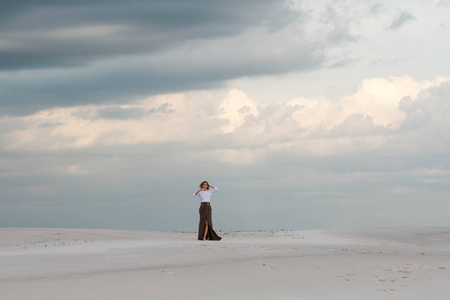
(205, 185)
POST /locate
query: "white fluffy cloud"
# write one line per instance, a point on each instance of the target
(377, 98)
(235, 108)
(160, 119)
(367, 119)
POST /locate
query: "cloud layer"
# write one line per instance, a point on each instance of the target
(379, 109)
(334, 163)
(79, 52)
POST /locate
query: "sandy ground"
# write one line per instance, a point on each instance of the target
(390, 263)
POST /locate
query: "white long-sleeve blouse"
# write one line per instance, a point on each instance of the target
(205, 196)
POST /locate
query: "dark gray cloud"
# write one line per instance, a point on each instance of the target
(139, 77)
(120, 113)
(426, 120)
(144, 27)
(78, 52)
(402, 19)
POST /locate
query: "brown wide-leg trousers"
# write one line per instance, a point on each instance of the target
(205, 212)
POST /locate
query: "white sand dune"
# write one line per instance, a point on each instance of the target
(390, 263)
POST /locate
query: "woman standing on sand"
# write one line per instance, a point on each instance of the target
(205, 227)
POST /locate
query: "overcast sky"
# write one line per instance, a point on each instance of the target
(305, 114)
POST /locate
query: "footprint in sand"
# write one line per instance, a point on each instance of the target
(386, 290)
(342, 276)
(168, 273)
